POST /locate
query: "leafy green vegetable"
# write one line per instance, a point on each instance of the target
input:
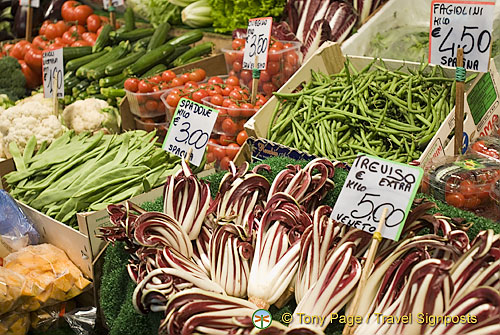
(161, 11)
(232, 14)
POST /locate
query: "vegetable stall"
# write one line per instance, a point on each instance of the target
(200, 167)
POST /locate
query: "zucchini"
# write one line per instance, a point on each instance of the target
(150, 59)
(98, 71)
(177, 52)
(70, 53)
(159, 36)
(196, 51)
(103, 38)
(74, 64)
(129, 19)
(110, 92)
(80, 87)
(71, 82)
(142, 43)
(190, 37)
(133, 35)
(154, 71)
(118, 66)
(112, 80)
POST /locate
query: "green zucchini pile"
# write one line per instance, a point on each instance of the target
(101, 70)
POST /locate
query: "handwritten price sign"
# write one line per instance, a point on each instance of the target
(53, 66)
(461, 24)
(191, 127)
(372, 185)
(257, 43)
(28, 3)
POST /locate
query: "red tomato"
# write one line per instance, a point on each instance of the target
(235, 95)
(229, 127)
(277, 45)
(224, 163)
(273, 68)
(238, 44)
(81, 13)
(210, 157)
(155, 79)
(248, 110)
(67, 10)
(62, 26)
(78, 29)
(176, 82)
(33, 58)
(226, 140)
(81, 43)
(52, 31)
(217, 100)
(19, 49)
(202, 74)
(33, 80)
(292, 58)
(168, 75)
(190, 84)
(93, 23)
(184, 77)
(234, 110)
(261, 102)
(455, 199)
(288, 71)
(264, 76)
(242, 137)
(104, 19)
(233, 81)
(215, 80)
(227, 90)
(131, 84)
(40, 41)
(55, 45)
(99, 30)
(246, 76)
(472, 202)
(145, 87)
(237, 66)
(275, 55)
(70, 37)
(151, 105)
(89, 37)
(173, 99)
(232, 150)
(219, 152)
(43, 27)
(199, 95)
(269, 88)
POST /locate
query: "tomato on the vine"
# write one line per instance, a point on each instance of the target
(215, 80)
(173, 99)
(217, 99)
(219, 152)
(176, 82)
(145, 87)
(237, 66)
(131, 84)
(226, 140)
(229, 127)
(155, 79)
(238, 44)
(246, 76)
(199, 95)
(233, 80)
(168, 75)
(232, 150)
(242, 137)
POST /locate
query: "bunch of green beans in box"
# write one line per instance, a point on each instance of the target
(87, 172)
(387, 113)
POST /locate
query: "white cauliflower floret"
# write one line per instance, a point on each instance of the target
(91, 115)
(32, 116)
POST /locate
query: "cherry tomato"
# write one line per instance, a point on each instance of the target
(237, 66)
(229, 127)
(246, 76)
(173, 99)
(242, 137)
(89, 37)
(168, 75)
(227, 90)
(261, 102)
(233, 110)
(148, 124)
(248, 110)
(275, 55)
(155, 79)
(292, 58)
(210, 157)
(145, 87)
(226, 140)
(93, 23)
(217, 99)
(199, 95)
(235, 95)
(224, 163)
(219, 152)
(232, 150)
(215, 80)
(269, 88)
(176, 82)
(151, 105)
(484, 192)
(184, 77)
(472, 202)
(277, 45)
(265, 76)
(238, 43)
(273, 68)
(233, 81)
(81, 13)
(131, 84)
(191, 84)
(455, 199)
(288, 71)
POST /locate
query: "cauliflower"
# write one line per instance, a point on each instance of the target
(31, 116)
(91, 115)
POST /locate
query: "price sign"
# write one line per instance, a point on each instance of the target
(257, 43)
(53, 65)
(191, 127)
(26, 3)
(461, 24)
(372, 185)
(115, 3)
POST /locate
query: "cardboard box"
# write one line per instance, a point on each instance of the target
(214, 65)
(329, 59)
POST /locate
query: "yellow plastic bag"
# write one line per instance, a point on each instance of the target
(50, 276)
(14, 323)
(12, 290)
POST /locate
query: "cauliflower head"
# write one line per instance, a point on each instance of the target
(32, 116)
(91, 115)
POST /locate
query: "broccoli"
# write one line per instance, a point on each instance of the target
(13, 82)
